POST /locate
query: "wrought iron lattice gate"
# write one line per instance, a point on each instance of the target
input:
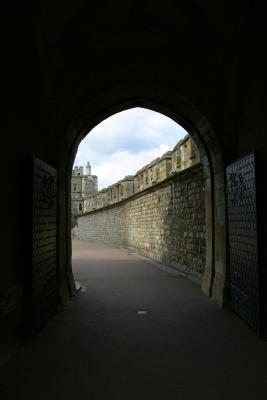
(243, 239)
(42, 273)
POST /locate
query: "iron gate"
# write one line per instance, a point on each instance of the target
(44, 245)
(243, 239)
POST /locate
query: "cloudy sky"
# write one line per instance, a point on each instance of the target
(125, 142)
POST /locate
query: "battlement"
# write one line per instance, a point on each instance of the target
(77, 171)
(183, 155)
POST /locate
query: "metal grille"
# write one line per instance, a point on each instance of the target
(243, 243)
(44, 243)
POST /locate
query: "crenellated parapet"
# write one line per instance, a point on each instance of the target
(110, 195)
(184, 155)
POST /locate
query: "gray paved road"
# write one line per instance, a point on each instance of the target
(180, 347)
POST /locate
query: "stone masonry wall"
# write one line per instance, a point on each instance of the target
(165, 222)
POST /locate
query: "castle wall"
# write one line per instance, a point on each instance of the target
(184, 155)
(165, 222)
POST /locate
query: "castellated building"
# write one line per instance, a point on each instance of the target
(86, 198)
(82, 187)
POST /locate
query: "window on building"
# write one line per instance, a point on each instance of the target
(80, 207)
(74, 186)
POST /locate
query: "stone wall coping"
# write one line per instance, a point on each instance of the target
(141, 170)
(185, 139)
(125, 179)
(153, 162)
(168, 154)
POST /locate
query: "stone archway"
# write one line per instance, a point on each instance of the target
(171, 104)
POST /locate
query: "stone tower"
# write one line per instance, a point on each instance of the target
(82, 187)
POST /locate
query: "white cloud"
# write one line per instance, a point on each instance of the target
(122, 163)
(125, 142)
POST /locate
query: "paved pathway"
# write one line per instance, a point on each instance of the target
(135, 332)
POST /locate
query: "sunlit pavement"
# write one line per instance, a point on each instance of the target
(136, 332)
